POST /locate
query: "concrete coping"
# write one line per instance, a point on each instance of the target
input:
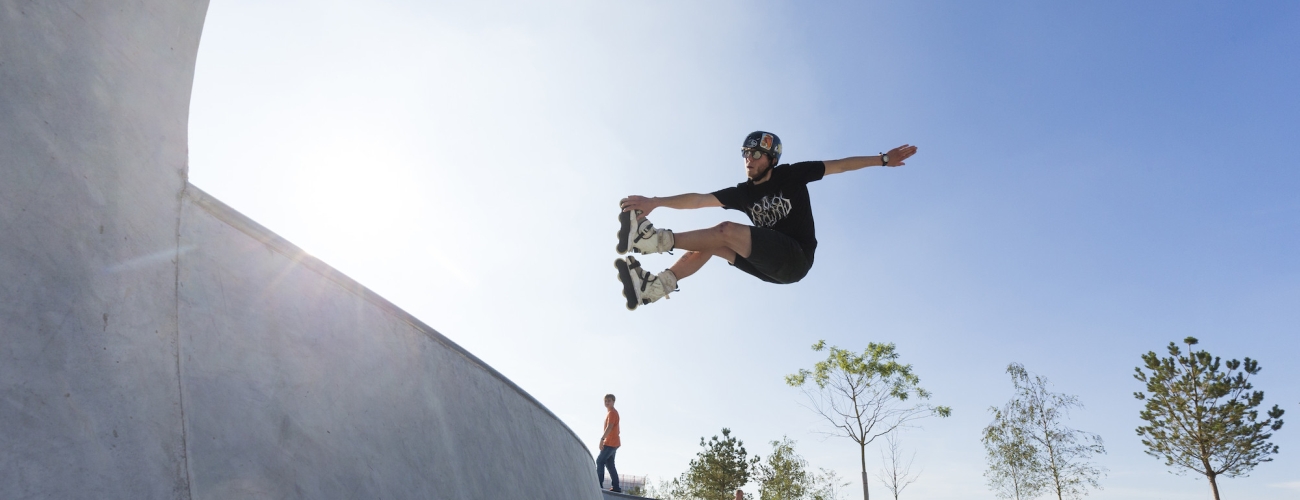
(258, 232)
(609, 495)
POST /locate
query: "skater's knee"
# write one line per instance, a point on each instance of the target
(729, 228)
(732, 231)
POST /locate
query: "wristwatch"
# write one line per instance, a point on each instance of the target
(884, 160)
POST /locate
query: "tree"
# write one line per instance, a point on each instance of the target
(784, 475)
(1063, 453)
(671, 489)
(718, 470)
(1203, 419)
(1014, 469)
(827, 485)
(896, 475)
(864, 396)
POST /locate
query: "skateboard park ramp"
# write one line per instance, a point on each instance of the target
(154, 343)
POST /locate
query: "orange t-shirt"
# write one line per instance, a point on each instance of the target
(611, 423)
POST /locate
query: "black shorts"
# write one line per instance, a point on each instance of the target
(774, 257)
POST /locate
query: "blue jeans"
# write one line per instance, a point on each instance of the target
(606, 459)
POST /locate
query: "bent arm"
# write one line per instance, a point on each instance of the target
(896, 158)
(605, 435)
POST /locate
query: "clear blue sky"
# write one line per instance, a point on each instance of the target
(1094, 180)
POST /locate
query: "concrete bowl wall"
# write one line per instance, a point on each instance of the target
(298, 382)
(156, 344)
(94, 102)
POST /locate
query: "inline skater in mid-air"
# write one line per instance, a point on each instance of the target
(778, 248)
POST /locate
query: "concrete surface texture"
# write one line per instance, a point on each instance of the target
(609, 495)
(300, 383)
(156, 344)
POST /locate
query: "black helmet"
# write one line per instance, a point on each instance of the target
(766, 142)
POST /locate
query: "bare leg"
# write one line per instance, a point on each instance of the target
(728, 236)
(689, 264)
(693, 260)
(726, 240)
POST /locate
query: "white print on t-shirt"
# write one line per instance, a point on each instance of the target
(770, 210)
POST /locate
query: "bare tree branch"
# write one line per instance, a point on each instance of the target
(864, 396)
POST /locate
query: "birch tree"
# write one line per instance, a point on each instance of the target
(1014, 472)
(1063, 454)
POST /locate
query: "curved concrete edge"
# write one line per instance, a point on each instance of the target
(298, 382)
(609, 495)
(251, 228)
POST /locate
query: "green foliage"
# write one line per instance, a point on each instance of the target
(1204, 419)
(1014, 469)
(877, 367)
(672, 489)
(864, 396)
(720, 469)
(784, 475)
(1029, 447)
(717, 471)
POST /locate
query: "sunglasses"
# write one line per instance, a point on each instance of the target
(752, 154)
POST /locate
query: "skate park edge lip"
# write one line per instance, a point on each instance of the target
(614, 494)
(248, 226)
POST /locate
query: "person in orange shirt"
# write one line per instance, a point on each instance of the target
(609, 444)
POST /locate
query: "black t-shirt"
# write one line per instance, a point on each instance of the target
(781, 203)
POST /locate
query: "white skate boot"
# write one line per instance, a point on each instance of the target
(640, 236)
(640, 287)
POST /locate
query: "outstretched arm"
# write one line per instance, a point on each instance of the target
(896, 157)
(681, 202)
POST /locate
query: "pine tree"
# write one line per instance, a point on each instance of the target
(717, 471)
(1203, 419)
